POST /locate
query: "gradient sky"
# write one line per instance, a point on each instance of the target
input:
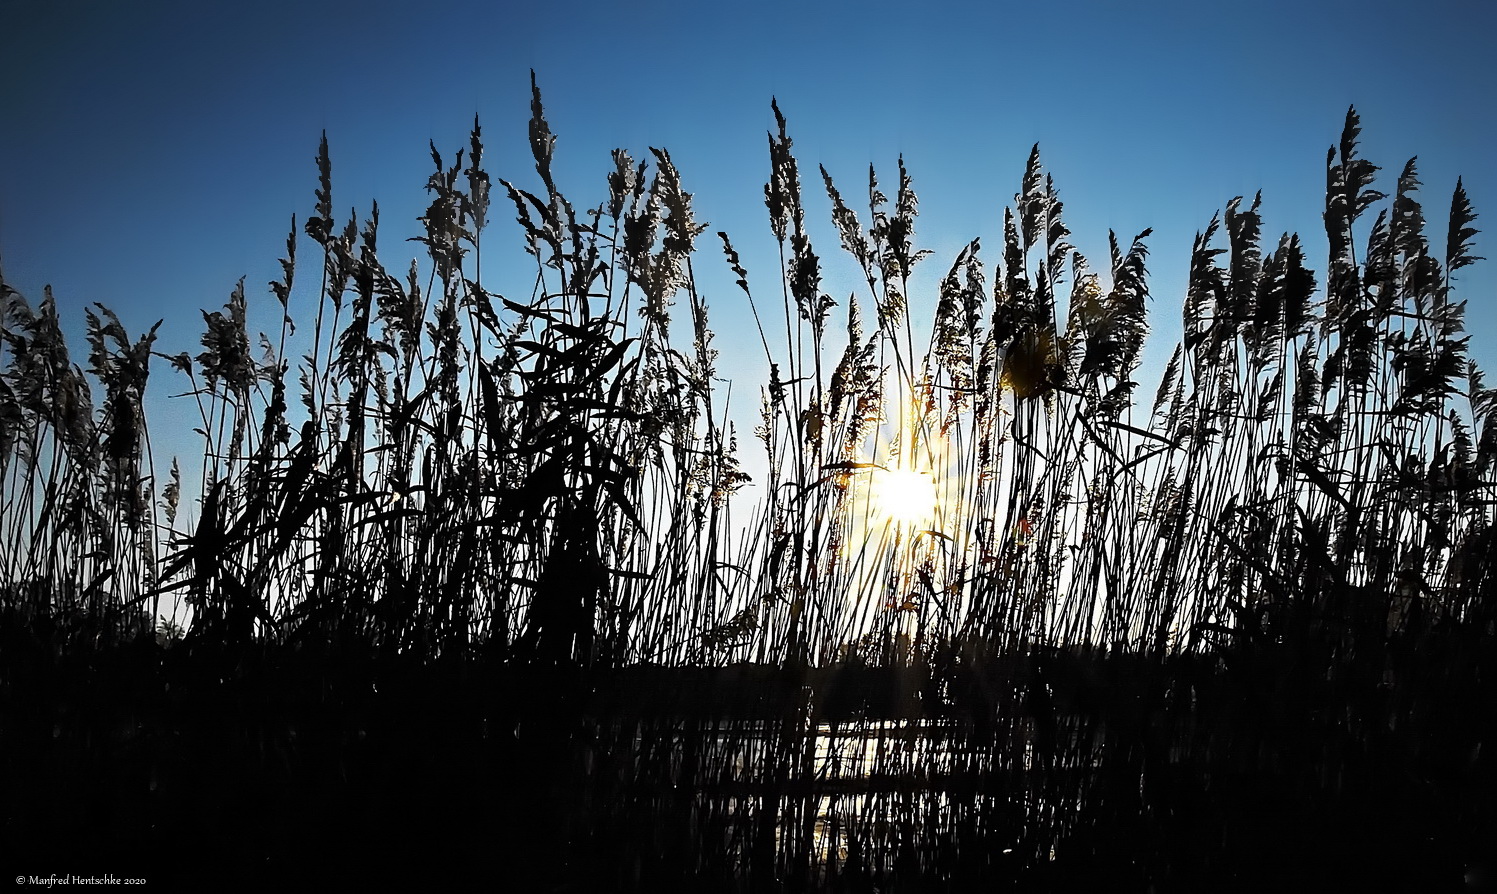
(152, 153)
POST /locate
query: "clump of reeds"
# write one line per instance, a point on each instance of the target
(1329, 461)
(81, 539)
(550, 478)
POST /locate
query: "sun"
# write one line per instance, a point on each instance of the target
(904, 496)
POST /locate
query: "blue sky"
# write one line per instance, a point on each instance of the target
(152, 153)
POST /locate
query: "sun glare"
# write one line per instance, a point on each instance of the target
(904, 496)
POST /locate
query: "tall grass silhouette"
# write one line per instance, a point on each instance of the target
(1116, 628)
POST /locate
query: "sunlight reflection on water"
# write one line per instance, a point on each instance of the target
(868, 789)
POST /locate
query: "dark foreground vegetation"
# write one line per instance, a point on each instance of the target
(477, 604)
(1126, 771)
